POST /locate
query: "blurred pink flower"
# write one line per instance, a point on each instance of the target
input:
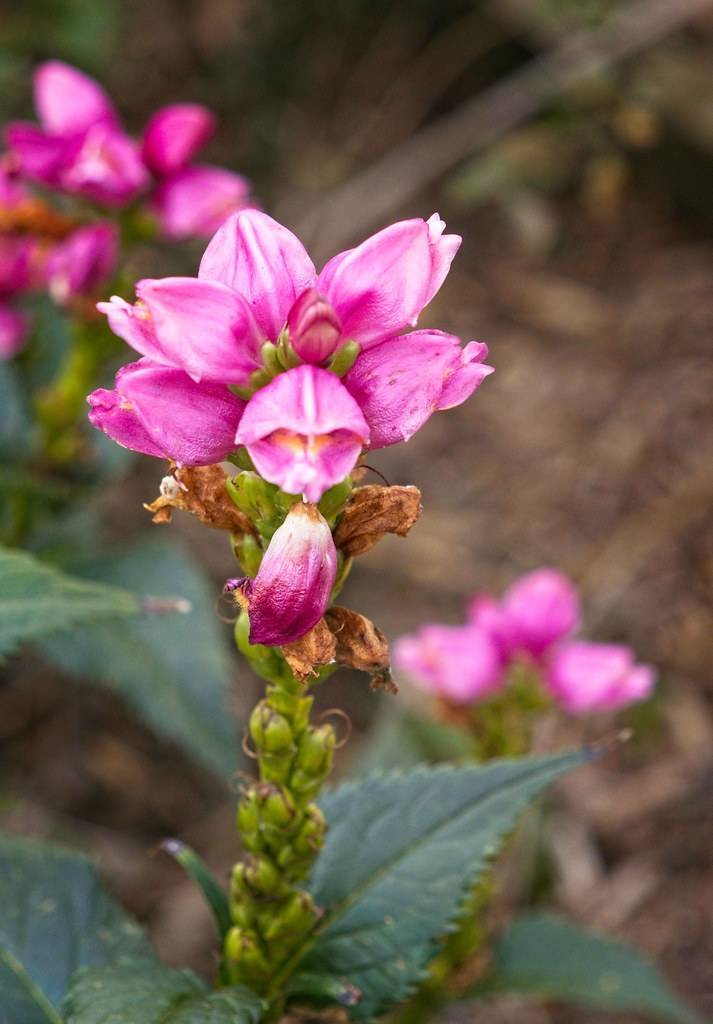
(459, 663)
(293, 585)
(174, 135)
(539, 609)
(13, 331)
(82, 262)
(306, 425)
(585, 677)
(195, 201)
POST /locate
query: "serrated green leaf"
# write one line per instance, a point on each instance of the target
(55, 918)
(401, 853)
(36, 599)
(174, 669)
(138, 991)
(544, 957)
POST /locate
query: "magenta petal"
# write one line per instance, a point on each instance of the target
(195, 201)
(13, 331)
(382, 285)
(203, 327)
(82, 261)
(401, 382)
(68, 101)
(39, 155)
(263, 261)
(304, 431)
(587, 677)
(17, 254)
(173, 136)
(160, 411)
(133, 324)
(460, 663)
(105, 166)
(291, 591)
(539, 609)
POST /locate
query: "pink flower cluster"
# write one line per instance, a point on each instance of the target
(532, 623)
(80, 148)
(320, 362)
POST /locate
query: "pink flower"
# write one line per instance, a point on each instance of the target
(587, 677)
(304, 431)
(539, 609)
(459, 663)
(13, 331)
(79, 146)
(160, 411)
(305, 427)
(195, 200)
(17, 258)
(174, 135)
(82, 262)
(291, 591)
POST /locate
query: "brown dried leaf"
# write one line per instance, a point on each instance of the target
(359, 644)
(312, 650)
(201, 491)
(373, 511)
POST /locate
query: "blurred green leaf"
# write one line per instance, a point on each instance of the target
(37, 599)
(402, 853)
(544, 957)
(174, 669)
(213, 892)
(56, 917)
(16, 428)
(146, 992)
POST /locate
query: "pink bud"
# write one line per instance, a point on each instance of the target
(460, 663)
(291, 591)
(13, 332)
(174, 135)
(597, 677)
(539, 609)
(314, 327)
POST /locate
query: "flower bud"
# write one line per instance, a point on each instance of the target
(539, 609)
(310, 837)
(248, 819)
(271, 732)
(314, 327)
(295, 918)
(263, 877)
(291, 591)
(242, 948)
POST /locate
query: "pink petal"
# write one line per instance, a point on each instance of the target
(82, 261)
(68, 101)
(291, 591)
(134, 325)
(39, 155)
(195, 202)
(173, 136)
(589, 677)
(460, 663)
(13, 331)
(401, 382)
(539, 609)
(304, 432)
(203, 327)
(263, 261)
(382, 285)
(160, 411)
(105, 166)
(17, 254)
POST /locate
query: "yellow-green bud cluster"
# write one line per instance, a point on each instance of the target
(282, 831)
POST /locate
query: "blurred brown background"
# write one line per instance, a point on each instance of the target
(586, 208)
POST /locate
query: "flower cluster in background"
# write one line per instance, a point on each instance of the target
(64, 238)
(532, 625)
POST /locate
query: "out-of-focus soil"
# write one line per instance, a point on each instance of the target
(590, 449)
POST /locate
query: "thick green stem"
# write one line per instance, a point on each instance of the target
(282, 830)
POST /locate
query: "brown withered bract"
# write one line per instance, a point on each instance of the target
(361, 645)
(311, 651)
(373, 511)
(201, 491)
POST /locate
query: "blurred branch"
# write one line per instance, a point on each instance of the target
(392, 181)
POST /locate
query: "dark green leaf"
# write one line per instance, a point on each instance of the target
(55, 918)
(545, 957)
(401, 854)
(36, 599)
(215, 896)
(16, 430)
(138, 991)
(174, 669)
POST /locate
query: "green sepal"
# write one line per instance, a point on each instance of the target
(267, 662)
(344, 358)
(196, 868)
(333, 501)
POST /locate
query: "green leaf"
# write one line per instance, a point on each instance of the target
(545, 957)
(401, 854)
(174, 669)
(196, 868)
(55, 918)
(36, 599)
(16, 429)
(136, 991)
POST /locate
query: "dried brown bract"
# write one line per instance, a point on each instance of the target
(373, 511)
(201, 491)
(311, 651)
(360, 644)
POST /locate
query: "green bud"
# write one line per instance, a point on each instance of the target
(263, 877)
(310, 838)
(242, 950)
(344, 358)
(278, 808)
(294, 919)
(248, 552)
(315, 748)
(271, 732)
(248, 819)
